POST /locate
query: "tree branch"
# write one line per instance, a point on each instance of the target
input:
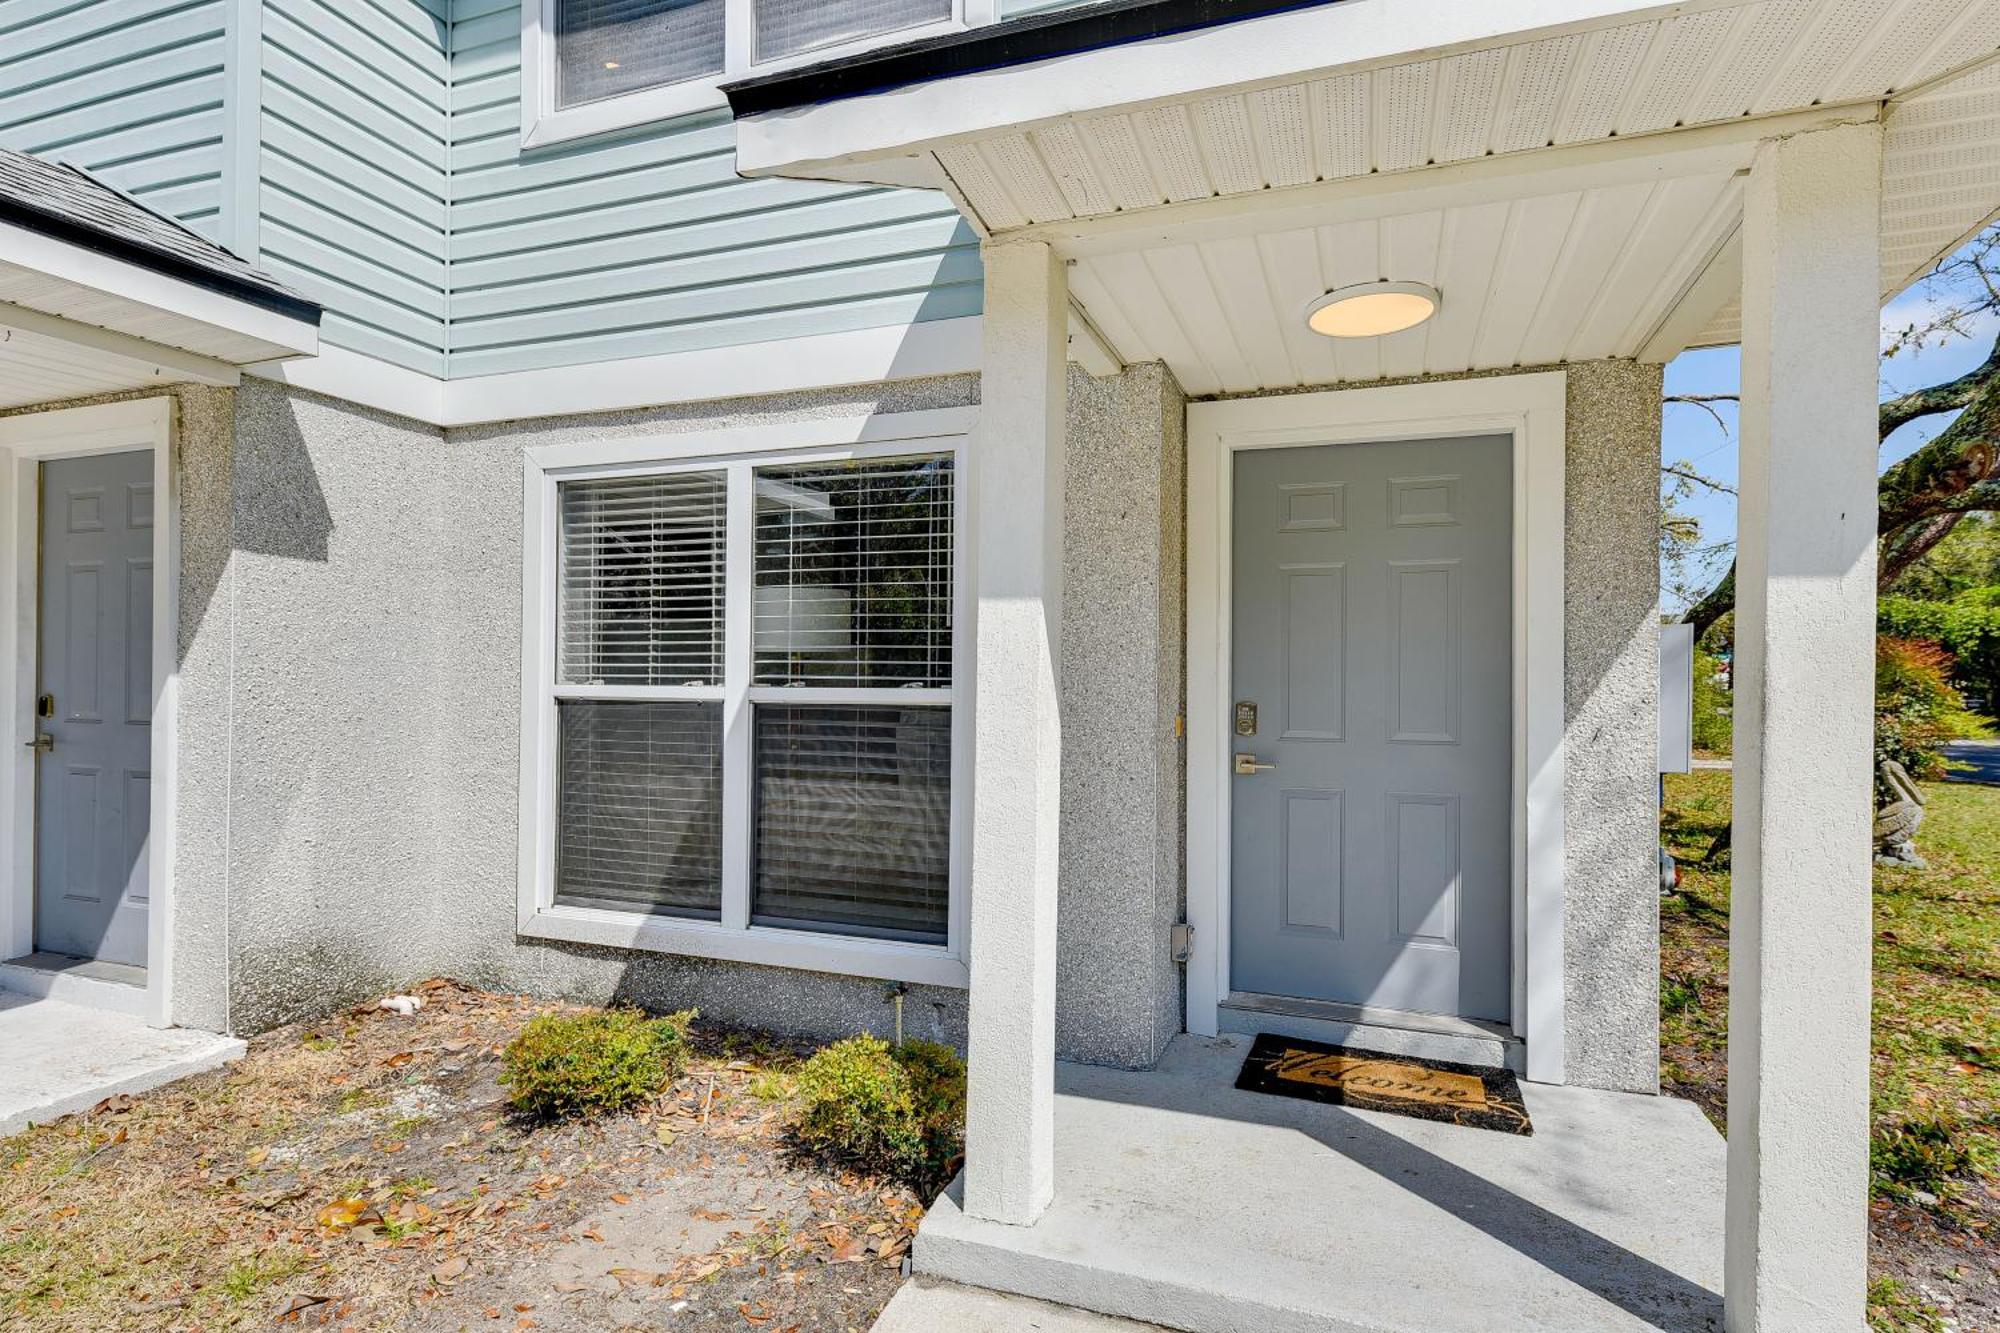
(1706, 402)
(1948, 397)
(1686, 472)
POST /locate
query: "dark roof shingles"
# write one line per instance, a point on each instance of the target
(61, 200)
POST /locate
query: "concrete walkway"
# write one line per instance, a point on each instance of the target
(1184, 1202)
(942, 1307)
(57, 1058)
(1982, 759)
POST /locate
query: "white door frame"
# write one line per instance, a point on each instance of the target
(25, 442)
(1530, 409)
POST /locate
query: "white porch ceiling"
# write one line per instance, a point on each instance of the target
(1581, 275)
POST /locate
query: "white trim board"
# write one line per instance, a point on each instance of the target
(26, 440)
(820, 361)
(733, 937)
(1528, 407)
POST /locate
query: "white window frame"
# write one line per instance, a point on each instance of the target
(544, 123)
(737, 452)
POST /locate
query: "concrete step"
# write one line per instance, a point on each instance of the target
(63, 1058)
(935, 1307)
(1465, 1041)
(117, 988)
(1183, 1201)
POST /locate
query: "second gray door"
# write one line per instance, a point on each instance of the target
(1372, 590)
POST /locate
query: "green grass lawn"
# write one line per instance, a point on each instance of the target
(1936, 1076)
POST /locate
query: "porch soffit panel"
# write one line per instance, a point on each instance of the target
(1940, 181)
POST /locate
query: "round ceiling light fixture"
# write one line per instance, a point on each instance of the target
(1372, 309)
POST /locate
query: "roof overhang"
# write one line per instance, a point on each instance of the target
(84, 313)
(1566, 170)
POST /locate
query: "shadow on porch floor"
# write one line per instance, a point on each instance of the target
(1182, 1201)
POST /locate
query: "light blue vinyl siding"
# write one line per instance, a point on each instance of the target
(355, 194)
(649, 242)
(130, 90)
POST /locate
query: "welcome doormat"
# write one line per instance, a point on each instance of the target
(1375, 1081)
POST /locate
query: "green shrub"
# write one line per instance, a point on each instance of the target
(1968, 628)
(593, 1061)
(893, 1111)
(1712, 725)
(1939, 1155)
(1916, 708)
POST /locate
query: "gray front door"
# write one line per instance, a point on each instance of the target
(93, 782)
(1372, 590)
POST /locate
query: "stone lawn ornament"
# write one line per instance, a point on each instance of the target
(1898, 818)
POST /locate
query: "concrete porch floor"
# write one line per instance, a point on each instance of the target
(59, 1058)
(1181, 1201)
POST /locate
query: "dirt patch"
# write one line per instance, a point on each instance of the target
(363, 1172)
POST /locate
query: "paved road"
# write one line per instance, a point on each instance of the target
(1983, 758)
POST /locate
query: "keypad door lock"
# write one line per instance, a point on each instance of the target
(1246, 718)
(45, 705)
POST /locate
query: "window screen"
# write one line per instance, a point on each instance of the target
(639, 800)
(786, 27)
(640, 580)
(854, 573)
(854, 820)
(608, 47)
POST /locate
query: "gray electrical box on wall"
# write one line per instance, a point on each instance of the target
(1676, 698)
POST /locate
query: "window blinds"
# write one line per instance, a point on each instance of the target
(854, 573)
(608, 47)
(786, 27)
(639, 803)
(853, 811)
(640, 579)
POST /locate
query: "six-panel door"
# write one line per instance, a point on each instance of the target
(1372, 588)
(93, 787)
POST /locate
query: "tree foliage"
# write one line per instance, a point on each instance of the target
(1922, 499)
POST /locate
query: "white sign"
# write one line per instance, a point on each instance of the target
(1676, 698)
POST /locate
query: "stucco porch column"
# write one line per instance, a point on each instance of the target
(1017, 527)
(1799, 922)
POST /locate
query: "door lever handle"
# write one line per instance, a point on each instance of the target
(44, 743)
(1247, 766)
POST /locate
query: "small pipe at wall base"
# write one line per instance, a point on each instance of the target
(896, 990)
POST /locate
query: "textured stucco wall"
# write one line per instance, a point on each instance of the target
(1611, 781)
(206, 432)
(352, 685)
(1118, 991)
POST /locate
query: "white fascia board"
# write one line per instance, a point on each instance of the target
(1240, 56)
(104, 275)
